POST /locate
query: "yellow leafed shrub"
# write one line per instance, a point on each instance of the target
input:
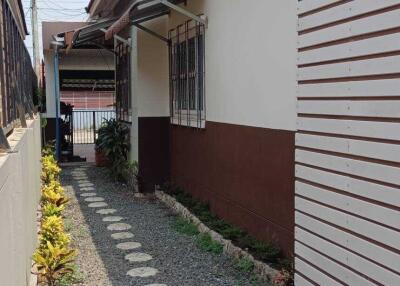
(50, 169)
(54, 194)
(54, 261)
(53, 231)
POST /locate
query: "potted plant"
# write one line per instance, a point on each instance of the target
(100, 157)
(113, 142)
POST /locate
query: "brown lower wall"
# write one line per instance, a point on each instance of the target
(154, 160)
(245, 173)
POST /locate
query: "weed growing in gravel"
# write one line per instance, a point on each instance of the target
(206, 243)
(75, 277)
(184, 226)
(244, 265)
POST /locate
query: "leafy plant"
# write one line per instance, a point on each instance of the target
(70, 278)
(113, 140)
(50, 209)
(131, 175)
(54, 194)
(244, 265)
(205, 242)
(53, 262)
(50, 169)
(184, 226)
(53, 231)
(264, 251)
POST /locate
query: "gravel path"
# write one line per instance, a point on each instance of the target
(131, 242)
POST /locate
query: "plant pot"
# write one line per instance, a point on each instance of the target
(101, 159)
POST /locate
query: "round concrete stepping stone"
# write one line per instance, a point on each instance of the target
(122, 235)
(86, 185)
(128, 245)
(87, 189)
(138, 257)
(120, 226)
(142, 272)
(97, 205)
(94, 199)
(88, 194)
(106, 211)
(113, 218)
(83, 175)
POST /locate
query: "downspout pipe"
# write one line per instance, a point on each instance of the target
(57, 98)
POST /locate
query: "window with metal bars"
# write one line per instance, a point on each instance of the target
(187, 70)
(123, 83)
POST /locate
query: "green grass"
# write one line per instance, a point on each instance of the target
(75, 277)
(206, 243)
(68, 224)
(244, 265)
(184, 226)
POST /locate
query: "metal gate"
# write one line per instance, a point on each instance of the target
(87, 122)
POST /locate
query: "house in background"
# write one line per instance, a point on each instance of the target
(86, 75)
(283, 115)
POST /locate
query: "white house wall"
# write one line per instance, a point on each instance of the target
(250, 78)
(152, 74)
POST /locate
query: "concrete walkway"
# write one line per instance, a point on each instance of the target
(124, 241)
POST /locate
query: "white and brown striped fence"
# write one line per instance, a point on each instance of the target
(348, 143)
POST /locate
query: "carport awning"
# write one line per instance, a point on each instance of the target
(86, 34)
(139, 11)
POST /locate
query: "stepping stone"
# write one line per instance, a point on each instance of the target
(83, 176)
(85, 185)
(128, 245)
(106, 211)
(88, 195)
(113, 218)
(83, 181)
(142, 272)
(138, 257)
(98, 205)
(122, 235)
(87, 189)
(118, 226)
(94, 199)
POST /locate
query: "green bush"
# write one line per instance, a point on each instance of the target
(244, 265)
(113, 140)
(184, 226)
(263, 251)
(206, 243)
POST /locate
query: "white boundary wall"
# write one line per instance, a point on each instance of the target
(19, 198)
(348, 143)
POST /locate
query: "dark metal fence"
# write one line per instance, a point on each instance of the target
(87, 122)
(18, 82)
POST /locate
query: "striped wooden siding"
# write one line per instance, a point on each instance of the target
(348, 143)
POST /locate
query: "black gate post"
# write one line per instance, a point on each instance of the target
(94, 126)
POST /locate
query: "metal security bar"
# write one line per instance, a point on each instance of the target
(18, 82)
(123, 83)
(86, 123)
(187, 70)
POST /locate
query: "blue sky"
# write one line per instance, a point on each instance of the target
(54, 10)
